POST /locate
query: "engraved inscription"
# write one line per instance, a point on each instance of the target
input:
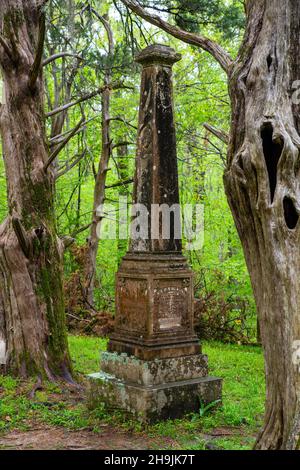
(169, 310)
(132, 305)
(171, 301)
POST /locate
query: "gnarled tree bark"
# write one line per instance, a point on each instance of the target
(262, 185)
(32, 315)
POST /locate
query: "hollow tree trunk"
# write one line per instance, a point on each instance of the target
(31, 293)
(262, 185)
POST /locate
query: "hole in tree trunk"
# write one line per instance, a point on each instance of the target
(240, 162)
(290, 214)
(269, 61)
(272, 152)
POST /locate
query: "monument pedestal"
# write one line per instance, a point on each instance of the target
(154, 368)
(154, 305)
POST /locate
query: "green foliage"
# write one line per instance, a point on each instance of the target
(85, 353)
(204, 409)
(63, 415)
(241, 368)
(196, 15)
(229, 320)
(14, 405)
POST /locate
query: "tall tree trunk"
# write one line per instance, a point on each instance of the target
(31, 292)
(262, 185)
(124, 191)
(99, 196)
(100, 177)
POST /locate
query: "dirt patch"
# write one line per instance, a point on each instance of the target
(52, 438)
(225, 431)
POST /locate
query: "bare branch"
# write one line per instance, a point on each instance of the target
(69, 200)
(56, 139)
(21, 235)
(219, 133)
(80, 230)
(122, 144)
(59, 55)
(124, 122)
(67, 241)
(108, 29)
(120, 183)
(69, 167)
(83, 98)
(62, 145)
(36, 66)
(78, 318)
(222, 57)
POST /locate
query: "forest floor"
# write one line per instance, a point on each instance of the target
(57, 417)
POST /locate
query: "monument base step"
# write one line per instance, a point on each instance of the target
(152, 403)
(131, 369)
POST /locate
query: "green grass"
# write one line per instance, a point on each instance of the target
(14, 407)
(85, 353)
(241, 368)
(230, 426)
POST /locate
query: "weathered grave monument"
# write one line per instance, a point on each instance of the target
(154, 367)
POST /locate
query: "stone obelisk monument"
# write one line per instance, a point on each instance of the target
(154, 367)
